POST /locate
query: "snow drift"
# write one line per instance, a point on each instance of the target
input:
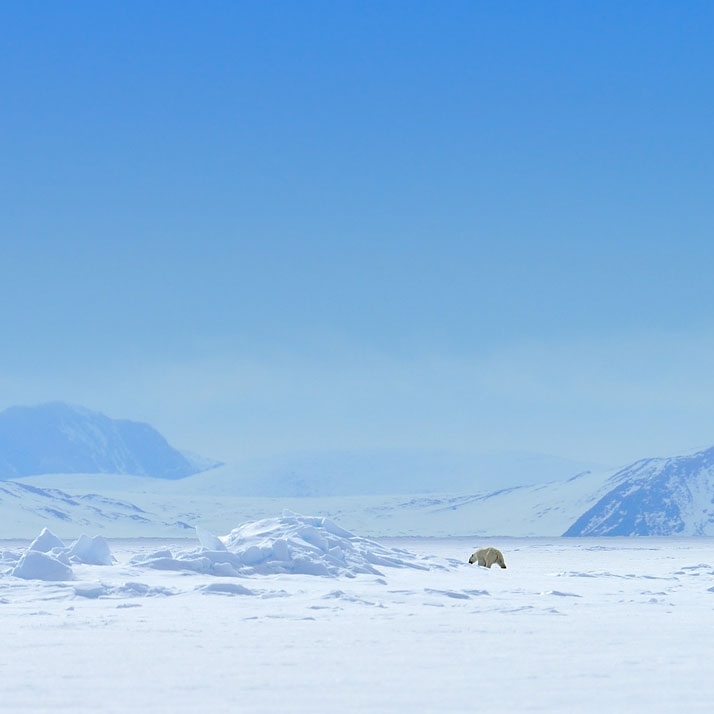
(313, 546)
(291, 543)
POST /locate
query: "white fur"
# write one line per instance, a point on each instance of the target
(488, 557)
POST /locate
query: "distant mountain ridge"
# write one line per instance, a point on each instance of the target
(60, 438)
(26, 509)
(665, 496)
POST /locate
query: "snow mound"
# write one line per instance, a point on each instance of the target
(45, 542)
(312, 546)
(35, 565)
(289, 544)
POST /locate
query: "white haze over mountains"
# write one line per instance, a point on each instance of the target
(388, 471)
(60, 438)
(377, 493)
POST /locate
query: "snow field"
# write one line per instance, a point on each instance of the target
(572, 625)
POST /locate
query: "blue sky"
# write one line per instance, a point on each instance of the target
(267, 226)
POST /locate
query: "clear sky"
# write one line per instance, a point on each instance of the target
(268, 226)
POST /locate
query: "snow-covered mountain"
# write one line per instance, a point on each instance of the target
(25, 509)
(165, 506)
(59, 438)
(670, 496)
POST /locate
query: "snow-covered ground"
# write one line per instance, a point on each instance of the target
(573, 625)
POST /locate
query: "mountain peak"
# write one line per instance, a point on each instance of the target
(56, 437)
(660, 496)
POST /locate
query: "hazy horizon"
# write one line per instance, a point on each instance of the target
(265, 229)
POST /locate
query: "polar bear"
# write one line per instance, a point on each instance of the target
(487, 557)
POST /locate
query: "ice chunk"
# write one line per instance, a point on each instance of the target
(208, 540)
(9, 556)
(253, 554)
(281, 550)
(45, 542)
(218, 556)
(132, 589)
(90, 590)
(310, 566)
(224, 589)
(448, 593)
(196, 565)
(35, 565)
(91, 551)
(61, 555)
(141, 559)
(560, 593)
(332, 527)
(224, 569)
(312, 535)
